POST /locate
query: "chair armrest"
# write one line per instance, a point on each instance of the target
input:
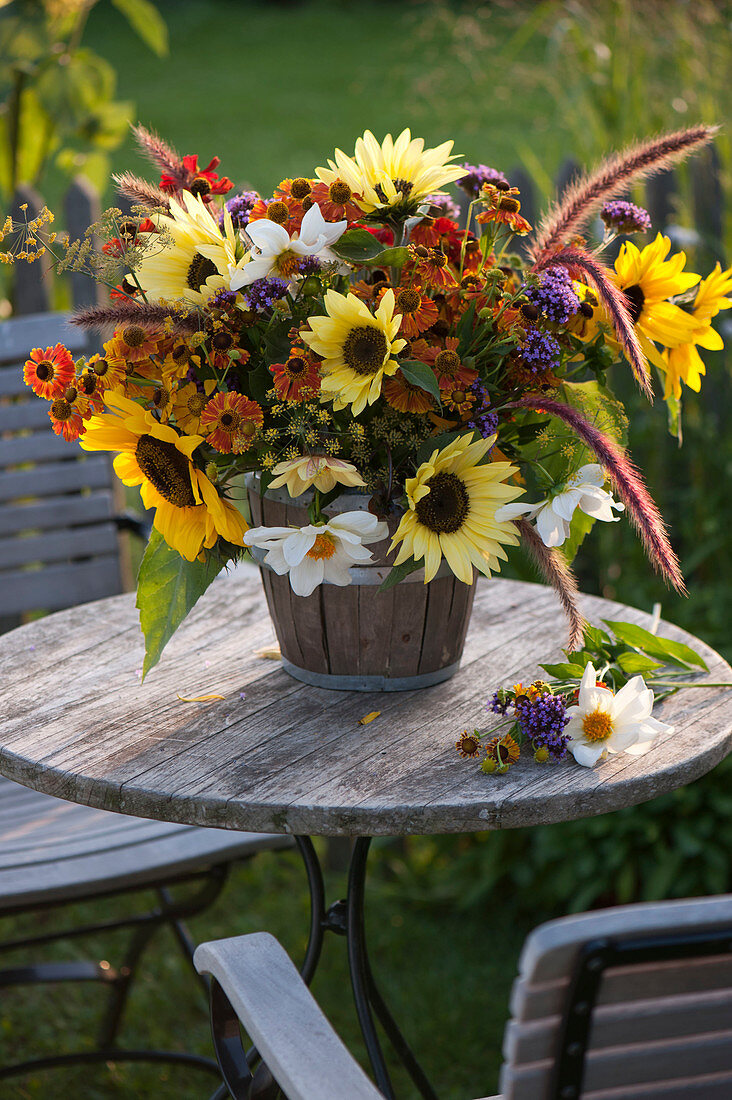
(278, 1011)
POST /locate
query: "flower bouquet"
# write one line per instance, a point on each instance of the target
(410, 385)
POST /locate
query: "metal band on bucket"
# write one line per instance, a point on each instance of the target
(369, 683)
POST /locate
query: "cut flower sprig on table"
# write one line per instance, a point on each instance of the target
(355, 333)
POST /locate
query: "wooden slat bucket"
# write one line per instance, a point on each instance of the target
(356, 638)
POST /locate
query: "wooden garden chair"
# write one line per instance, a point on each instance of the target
(632, 1003)
(59, 546)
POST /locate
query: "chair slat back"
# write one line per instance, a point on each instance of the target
(658, 1029)
(59, 544)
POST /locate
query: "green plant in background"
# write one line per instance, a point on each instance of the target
(58, 108)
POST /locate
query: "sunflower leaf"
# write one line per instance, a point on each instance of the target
(357, 246)
(422, 375)
(399, 572)
(168, 586)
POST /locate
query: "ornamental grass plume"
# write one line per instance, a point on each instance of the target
(140, 191)
(553, 567)
(629, 484)
(149, 316)
(581, 263)
(583, 197)
(160, 154)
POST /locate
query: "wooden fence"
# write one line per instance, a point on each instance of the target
(33, 286)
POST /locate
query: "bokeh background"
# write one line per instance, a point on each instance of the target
(272, 88)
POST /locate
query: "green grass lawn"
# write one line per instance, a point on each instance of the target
(446, 976)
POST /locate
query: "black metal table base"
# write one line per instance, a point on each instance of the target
(245, 1077)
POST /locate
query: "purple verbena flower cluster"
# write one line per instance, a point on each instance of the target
(477, 175)
(625, 217)
(239, 207)
(263, 293)
(498, 703)
(542, 722)
(484, 421)
(540, 351)
(222, 299)
(445, 204)
(310, 265)
(554, 294)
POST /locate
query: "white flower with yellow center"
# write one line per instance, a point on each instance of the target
(318, 553)
(603, 722)
(190, 258)
(357, 346)
(583, 490)
(278, 254)
(394, 174)
(322, 471)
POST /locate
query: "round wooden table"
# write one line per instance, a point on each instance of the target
(277, 755)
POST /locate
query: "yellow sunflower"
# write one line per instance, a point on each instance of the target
(189, 257)
(452, 508)
(189, 513)
(357, 348)
(683, 363)
(395, 174)
(648, 279)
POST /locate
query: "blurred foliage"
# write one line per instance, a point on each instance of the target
(58, 108)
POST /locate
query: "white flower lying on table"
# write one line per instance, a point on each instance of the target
(314, 554)
(604, 722)
(583, 490)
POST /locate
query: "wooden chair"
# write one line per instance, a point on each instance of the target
(59, 546)
(632, 1003)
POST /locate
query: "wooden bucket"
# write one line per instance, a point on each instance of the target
(356, 638)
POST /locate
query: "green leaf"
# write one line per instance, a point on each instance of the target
(167, 588)
(564, 671)
(579, 527)
(390, 257)
(676, 652)
(637, 663)
(147, 23)
(357, 246)
(422, 375)
(399, 572)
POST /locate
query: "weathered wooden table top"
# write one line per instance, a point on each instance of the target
(276, 755)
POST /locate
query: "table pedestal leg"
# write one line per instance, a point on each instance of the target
(347, 918)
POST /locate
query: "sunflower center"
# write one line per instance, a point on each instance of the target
(61, 409)
(339, 192)
(199, 270)
(403, 186)
(635, 298)
(408, 300)
(196, 403)
(278, 212)
(288, 263)
(300, 187)
(323, 548)
(445, 508)
(597, 726)
(364, 349)
(167, 469)
(133, 336)
(45, 370)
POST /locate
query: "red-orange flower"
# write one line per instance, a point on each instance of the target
(200, 181)
(133, 343)
(68, 412)
(430, 266)
(49, 372)
(335, 201)
(231, 421)
(404, 396)
(503, 207)
(448, 366)
(282, 210)
(418, 311)
(298, 379)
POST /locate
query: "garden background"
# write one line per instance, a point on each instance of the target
(272, 88)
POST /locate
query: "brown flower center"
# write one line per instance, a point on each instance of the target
(199, 270)
(200, 186)
(300, 187)
(278, 212)
(61, 409)
(339, 192)
(167, 470)
(45, 370)
(295, 365)
(196, 403)
(445, 508)
(100, 367)
(229, 420)
(408, 300)
(635, 299)
(447, 362)
(365, 349)
(133, 336)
